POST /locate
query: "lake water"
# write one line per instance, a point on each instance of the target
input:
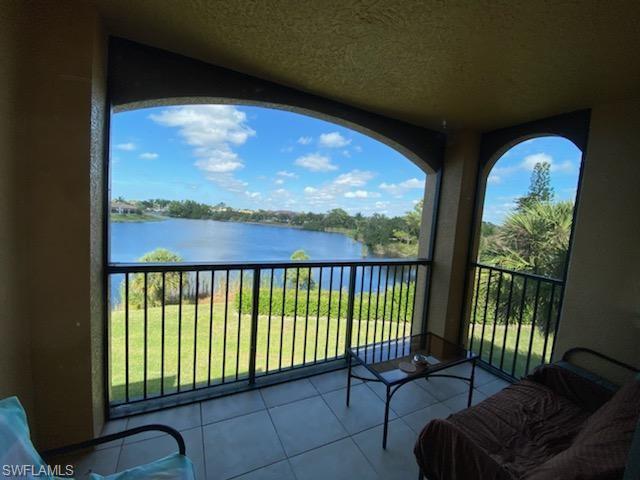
(212, 241)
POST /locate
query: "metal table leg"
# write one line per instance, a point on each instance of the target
(348, 379)
(386, 417)
(471, 380)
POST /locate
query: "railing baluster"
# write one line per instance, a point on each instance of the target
(533, 326)
(306, 316)
(484, 316)
(478, 271)
(284, 307)
(315, 349)
(393, 294)
(351, 306)
(355, 268)
(375, 325)
(126, 336)
(195, 331)
(399, 309)
(162, 313)
(326, 340)
(406, 309)
(269, 320)
(495, 319)
(546, 329)
(520, 313)
(295, 317)
(366, 340)
(339, 311)
(255, 306)
(209, 361)
(179, 330)
(506, 321)
(226, 315)
(239, 325)
(384, 312)
(146, 337)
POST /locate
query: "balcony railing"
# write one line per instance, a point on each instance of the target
(513, 318)
(185, 327)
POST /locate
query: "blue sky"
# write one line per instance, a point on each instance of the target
(510, 177)
(254, 157)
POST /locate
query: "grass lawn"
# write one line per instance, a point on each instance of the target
(494, 357)
(233, 359)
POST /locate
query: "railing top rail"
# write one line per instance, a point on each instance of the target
(207, 266)
(533, 276)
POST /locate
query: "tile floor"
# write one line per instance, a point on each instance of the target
(297, 430)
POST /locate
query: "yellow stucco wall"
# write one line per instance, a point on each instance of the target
(602, 300)
(51, 241)
(15, 356)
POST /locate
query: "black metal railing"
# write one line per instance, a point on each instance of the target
(183, 327)
(513, 318)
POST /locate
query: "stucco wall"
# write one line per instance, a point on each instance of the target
(15, 360)
(48, 314)
(602, 300)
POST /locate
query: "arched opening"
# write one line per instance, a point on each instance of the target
(527, 192)
(247, 241)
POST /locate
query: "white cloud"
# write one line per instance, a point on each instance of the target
(399, 189)
(316, 163)
(252, 194)
(288, 149)
(333, 140)
(498, 174)
(127, 147)
(305, 140)
(212, 131)
(354, 178)
(326, 194)
(148, 156)
(361, 194)
(381, 204)
(346, 153)
(228, 182)
(357, 148)
(284, 173)
(278, 181)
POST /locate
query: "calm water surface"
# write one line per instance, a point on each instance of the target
(212, 241)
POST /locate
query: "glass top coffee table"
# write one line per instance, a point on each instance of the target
(382, 360)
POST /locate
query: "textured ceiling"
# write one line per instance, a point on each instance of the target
(482, 64)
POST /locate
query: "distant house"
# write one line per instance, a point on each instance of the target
(124, 208)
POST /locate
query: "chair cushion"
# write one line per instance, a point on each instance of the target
(600, 449)
(16, 449)
(173, 467)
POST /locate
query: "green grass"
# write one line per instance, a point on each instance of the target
(237, 345)
(494, 357)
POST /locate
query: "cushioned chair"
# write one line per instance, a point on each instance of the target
(561, 422)
(19, 458)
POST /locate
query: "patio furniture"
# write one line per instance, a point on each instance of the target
(560, 422)
(19, 458)
(382, 360)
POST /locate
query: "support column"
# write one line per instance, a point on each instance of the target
(453, 234)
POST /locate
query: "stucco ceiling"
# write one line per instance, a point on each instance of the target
(482, 64)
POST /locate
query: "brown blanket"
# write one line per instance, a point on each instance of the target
(540, 427)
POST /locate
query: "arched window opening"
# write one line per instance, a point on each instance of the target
(247, 241)
(522, 253)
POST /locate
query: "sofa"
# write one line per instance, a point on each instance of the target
(561, 422)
